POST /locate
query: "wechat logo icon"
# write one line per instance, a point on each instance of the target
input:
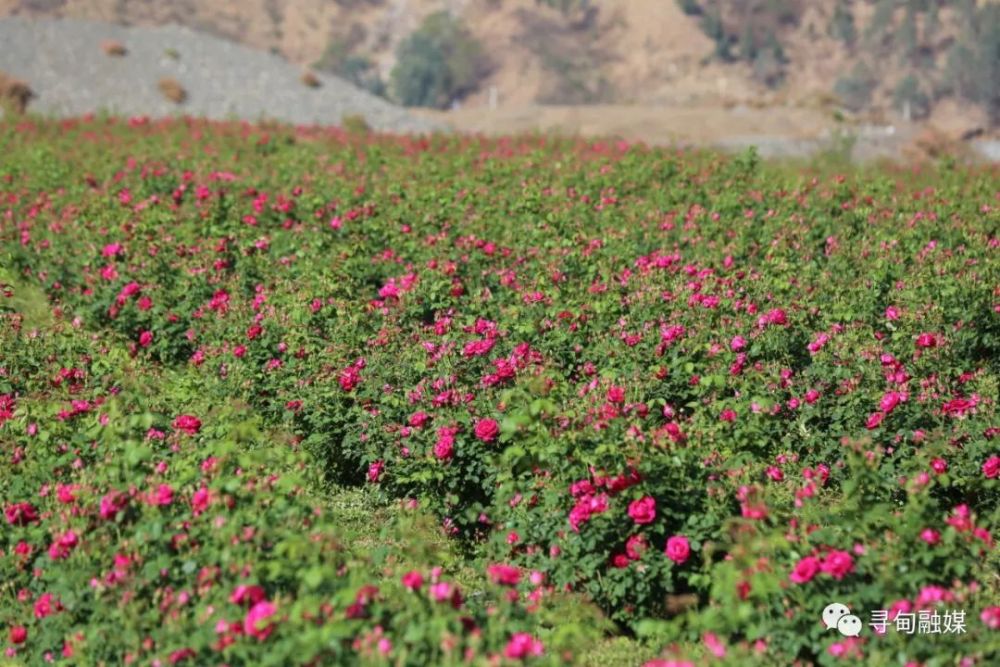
(839, 616)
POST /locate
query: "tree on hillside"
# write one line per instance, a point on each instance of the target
(748, 31)
(440, 62)
(855, 89)
(973, 68)
(842, 24)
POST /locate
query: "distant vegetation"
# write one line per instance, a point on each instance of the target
(748, 30)
(339, 59)
(910, 54)
(437, 64)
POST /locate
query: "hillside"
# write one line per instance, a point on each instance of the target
(779, 72)
(76, 67)
(876, 59)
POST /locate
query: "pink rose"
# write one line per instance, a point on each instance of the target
(63, 545)
(413, 580)
(635, 546)
(926, 340)
(146, 338)
(991, 618)
(713, 644)
(487, 430)
(874, 419)
(444, 448)
(643, 510)
(188, 424)
(443, 591)
(111, 504)
(247, 596)
(255, 623)
(418, 419)
(837, 564)
(678, 549)
(162, 496)
(45, 605)
(991, 468)
(890, 400)
(930, 536)
(523, 645)
(18, 634)
(805, 570)
(21, 514)
(200, 501)
(504, 575)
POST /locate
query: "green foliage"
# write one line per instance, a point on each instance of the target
(355, 124)
(879, 31)
(338, 58)
(973, 66)
(749, 32)
(437, 64)
(842, 24)
(611, 404)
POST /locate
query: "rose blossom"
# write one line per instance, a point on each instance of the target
(678, 549)
(188, 424)
(523, 645)
(805, 570)
(837, 564)
(991, 468)
(643, 510)
(260, 612)
(487, 430)
(412, 580)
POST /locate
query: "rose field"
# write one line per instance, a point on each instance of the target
(296, 396)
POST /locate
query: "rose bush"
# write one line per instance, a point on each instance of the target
(705, 396)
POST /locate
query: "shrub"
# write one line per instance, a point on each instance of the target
(754, 30)
(438, 63)
(769, 63)
(113, 47)
(310, 80)
(973, 67)
(338, 59)
(172, 89)
(362, 72)
(690, 7)
(855, 90)
(842, 24)
(15, 94)
(355, 123)
(909, 97)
